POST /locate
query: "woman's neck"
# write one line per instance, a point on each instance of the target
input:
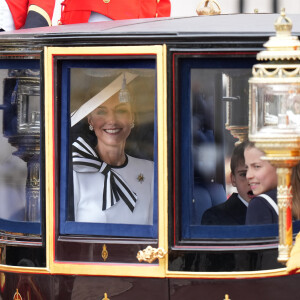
(114, 156)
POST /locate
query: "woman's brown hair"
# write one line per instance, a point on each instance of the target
(295, 182)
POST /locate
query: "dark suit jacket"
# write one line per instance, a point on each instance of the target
(260, 211)
(231, 212)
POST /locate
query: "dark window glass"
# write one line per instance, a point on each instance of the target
(108, 148)
(213, 101)
(20, 115)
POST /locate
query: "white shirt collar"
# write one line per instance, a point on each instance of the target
(244, 201)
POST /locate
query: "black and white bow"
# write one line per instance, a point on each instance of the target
(85, 159)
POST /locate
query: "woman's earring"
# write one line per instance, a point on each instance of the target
(91, 128)
(132, 125)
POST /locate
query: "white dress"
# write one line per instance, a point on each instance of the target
(88, 195)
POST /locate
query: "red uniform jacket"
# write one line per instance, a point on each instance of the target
(19, 9)
(78, 11)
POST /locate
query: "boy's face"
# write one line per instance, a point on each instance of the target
(261, 175)
(239, 180)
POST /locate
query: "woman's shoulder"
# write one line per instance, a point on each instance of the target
(139, 162)
(139, 170)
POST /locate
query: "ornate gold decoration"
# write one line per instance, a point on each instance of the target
(17, 295)
(140, 178)
(151, 254)
(285, 192)
(276, 71)
(104, 253)
(208, 7)
(284, 199)
(105, 297)
(283, 45)
(239, 132)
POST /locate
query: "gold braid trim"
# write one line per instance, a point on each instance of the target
(40, 11)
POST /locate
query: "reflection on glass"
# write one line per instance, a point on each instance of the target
(29, 107)
(19, 154)
(278, 105)
(212, 153)
(112, 145)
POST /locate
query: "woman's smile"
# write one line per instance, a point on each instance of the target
(113, 131)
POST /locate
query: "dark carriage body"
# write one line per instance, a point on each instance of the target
(192, 89)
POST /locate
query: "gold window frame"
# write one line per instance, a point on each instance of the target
(104, 268)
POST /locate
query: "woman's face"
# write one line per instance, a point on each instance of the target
(112, 122)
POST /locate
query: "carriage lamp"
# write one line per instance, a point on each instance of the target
(21, 125)
(274, 117)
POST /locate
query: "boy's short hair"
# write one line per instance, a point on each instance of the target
(237, 156)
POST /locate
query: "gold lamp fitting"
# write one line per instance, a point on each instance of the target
(151, 254)
(274, 118)
(283, 46)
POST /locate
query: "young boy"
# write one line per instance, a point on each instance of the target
(262, 178)
(232, 211)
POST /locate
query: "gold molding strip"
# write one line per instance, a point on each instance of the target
(228, 275)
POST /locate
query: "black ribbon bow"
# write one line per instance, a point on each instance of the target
(86, 160)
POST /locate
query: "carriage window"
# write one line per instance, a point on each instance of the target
(20, 209)
(108, 148)
(213, 115)
(214, 136)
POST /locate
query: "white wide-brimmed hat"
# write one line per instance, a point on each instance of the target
(114, 87)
